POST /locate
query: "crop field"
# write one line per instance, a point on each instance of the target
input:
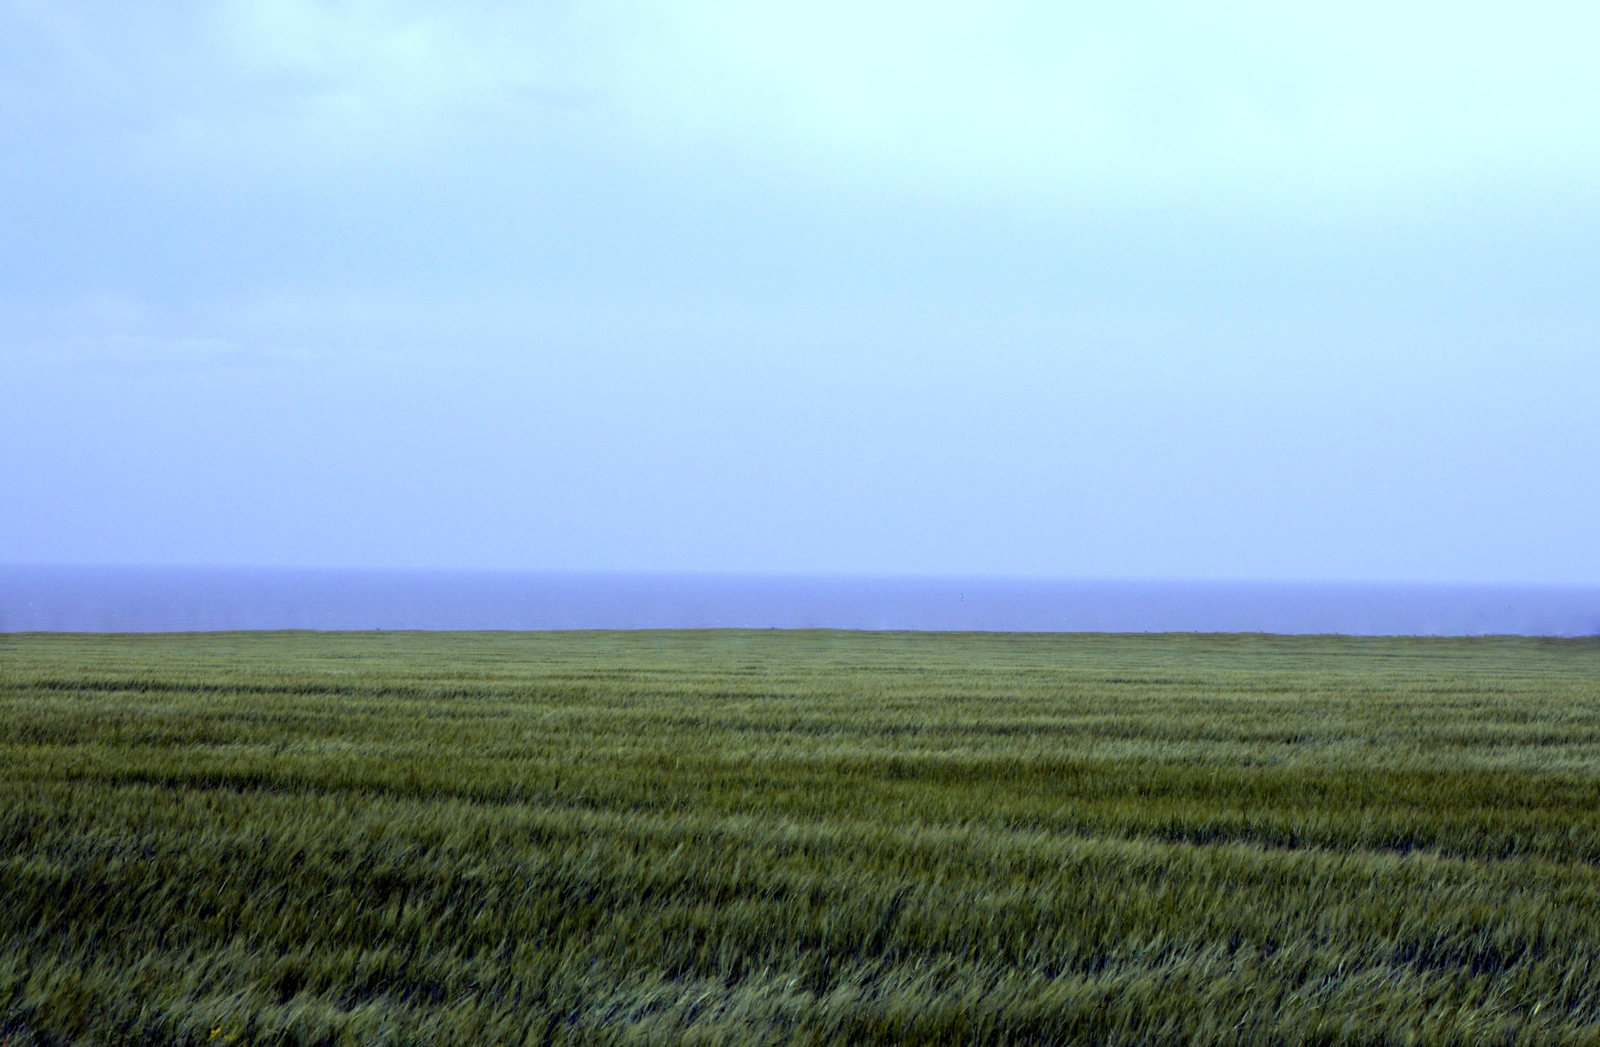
(798, 838)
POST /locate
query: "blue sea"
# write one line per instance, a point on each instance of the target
(170, 599)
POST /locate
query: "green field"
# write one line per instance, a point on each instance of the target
(798, 837)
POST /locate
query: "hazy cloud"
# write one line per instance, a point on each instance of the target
(1142, 97)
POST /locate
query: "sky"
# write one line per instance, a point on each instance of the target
(1236, 290)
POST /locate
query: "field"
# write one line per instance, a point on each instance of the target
(798, 838)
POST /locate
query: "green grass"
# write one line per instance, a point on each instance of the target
(812, 837)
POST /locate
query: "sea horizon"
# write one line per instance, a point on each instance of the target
(54, 598)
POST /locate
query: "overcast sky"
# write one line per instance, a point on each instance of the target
(1134, 289)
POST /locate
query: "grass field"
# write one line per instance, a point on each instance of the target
(808, 838)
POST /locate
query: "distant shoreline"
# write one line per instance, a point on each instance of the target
(210, 599)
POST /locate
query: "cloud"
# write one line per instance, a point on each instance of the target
(1015, 96)
(1156, 92)
(127, 355)
(393, 74)
(266, 88)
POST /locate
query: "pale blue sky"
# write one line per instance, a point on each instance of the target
(1233, 290)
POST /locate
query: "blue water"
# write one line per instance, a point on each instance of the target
(104, 599)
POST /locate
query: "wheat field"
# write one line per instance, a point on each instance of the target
(764, 837)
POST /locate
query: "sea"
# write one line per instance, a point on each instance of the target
(198, 599)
